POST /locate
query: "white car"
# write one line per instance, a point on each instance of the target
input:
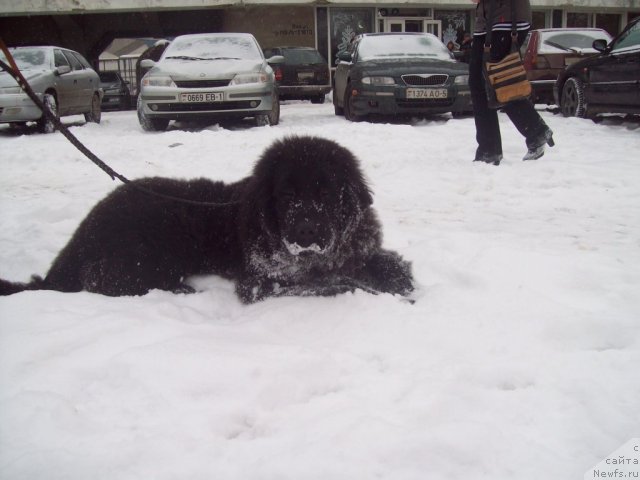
(62, 78)
(210, 75)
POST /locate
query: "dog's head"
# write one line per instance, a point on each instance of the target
(310, 194)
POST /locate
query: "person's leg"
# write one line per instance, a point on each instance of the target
(522, 113)
(487, 128)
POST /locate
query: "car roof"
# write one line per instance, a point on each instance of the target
(569, 29)
(217, 34)
(291, 48)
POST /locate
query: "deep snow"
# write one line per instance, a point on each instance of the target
(519, 359)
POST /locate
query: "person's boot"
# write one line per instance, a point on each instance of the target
(491, 158)
(537, 145)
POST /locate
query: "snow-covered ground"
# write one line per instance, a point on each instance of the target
(519, 359)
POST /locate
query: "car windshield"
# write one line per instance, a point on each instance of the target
(402, 46)
(630, 38)
(216, 47)
(108, 77)
(302, 56)
(27, 58)
(554, 42)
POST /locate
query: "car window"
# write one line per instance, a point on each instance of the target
(395, 46)
(82, 60)
(60, 59)
(75, 63)
(629, 39)
(299, 56)
(27, 58)
(556, 42)
(213, 47)
(108, 77)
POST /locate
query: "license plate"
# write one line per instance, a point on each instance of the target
(201, 97)
(305, 75)
(427, 93)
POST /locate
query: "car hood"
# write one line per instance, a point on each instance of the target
(7, 80)
(415, 65)
(205, 69)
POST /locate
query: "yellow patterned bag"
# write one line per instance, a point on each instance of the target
(506, 80)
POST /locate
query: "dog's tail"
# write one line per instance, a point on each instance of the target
(9, 288)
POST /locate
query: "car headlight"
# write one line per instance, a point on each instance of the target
(157, 81)
(461, 80)
(376, 81)
(244, 78)
(10, 90)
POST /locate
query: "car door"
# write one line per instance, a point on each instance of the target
(615, 79)
(80, 94)
(65, 84)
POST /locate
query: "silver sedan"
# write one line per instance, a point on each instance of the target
(211, 75)
(62, 78)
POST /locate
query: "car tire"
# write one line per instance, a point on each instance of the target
(150, 124)
(572, 101)
(95, 114)
(339, 111)
(273, 117)
(348, 107)
(45, 125)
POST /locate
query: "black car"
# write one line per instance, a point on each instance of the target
(398, 74)
(304, 75)
(116, 91)
(605, 83)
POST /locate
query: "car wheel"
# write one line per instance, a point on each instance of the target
(95, 114)
(572, 101)
(348, 106)
(273, 117)
(337, 109)
(150, 124)
(45, 125)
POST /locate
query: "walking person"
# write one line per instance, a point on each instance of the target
(522, 113)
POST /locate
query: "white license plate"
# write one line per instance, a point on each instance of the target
(305, 75)
(201, 97)
(427, 93)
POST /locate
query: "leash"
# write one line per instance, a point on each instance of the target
(13, 70)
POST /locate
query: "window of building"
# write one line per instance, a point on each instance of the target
(578, 20)
(609, 22)
(346, 24)
(539, 20)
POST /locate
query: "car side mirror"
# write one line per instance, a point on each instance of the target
(61, 70)
(600, 45)
(275, 60)
(345, 57)
(147, 63)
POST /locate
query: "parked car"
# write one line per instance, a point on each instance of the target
(399, 73)
(116, 91)
(304, 75)
(62, 78)
(605, 83)
(209, 75)
(548, 51)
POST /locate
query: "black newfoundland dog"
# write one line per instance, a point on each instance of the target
(300, 224)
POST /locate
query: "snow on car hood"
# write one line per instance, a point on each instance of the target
(7, 80)
(205, 69)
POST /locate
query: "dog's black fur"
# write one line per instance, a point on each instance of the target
(300, 224)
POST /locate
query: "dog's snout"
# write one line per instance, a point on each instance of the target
(306, 233)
